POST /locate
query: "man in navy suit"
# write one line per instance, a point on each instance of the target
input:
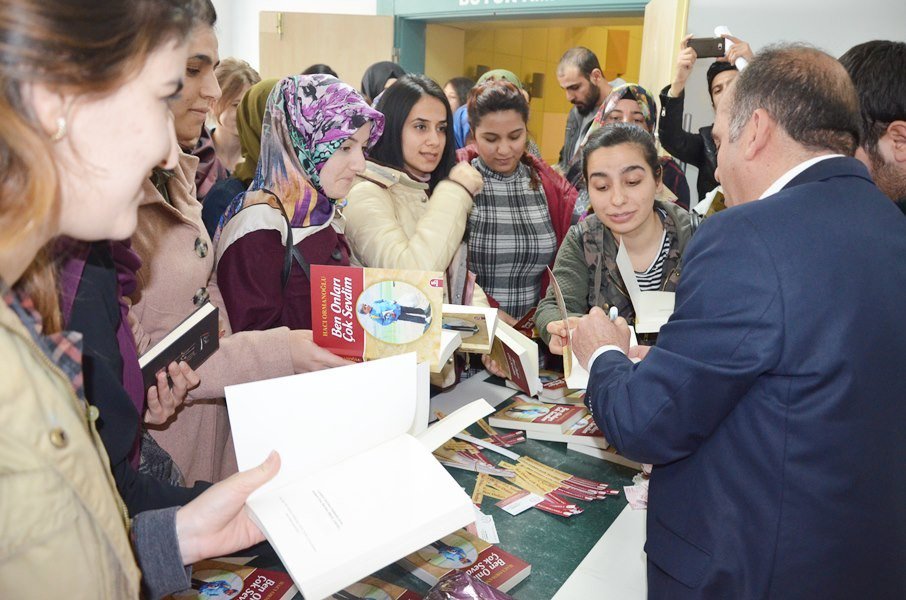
(773, 406)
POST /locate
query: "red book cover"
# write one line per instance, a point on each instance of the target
(334, 324)
(219, 579)
(363, 314)
(522, 413)
(517, 372)
(462, 550)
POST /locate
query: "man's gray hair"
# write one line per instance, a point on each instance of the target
(806, 91)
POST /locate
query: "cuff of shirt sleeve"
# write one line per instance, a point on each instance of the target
(601, 351)
(157, 551)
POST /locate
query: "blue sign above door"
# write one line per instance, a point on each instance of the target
(461, 9)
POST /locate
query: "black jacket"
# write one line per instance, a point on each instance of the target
(96, 314)
(697, 150)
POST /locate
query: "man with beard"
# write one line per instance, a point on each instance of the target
(878, 70)
(579, 74)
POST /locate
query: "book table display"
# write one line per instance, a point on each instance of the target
(553, 545)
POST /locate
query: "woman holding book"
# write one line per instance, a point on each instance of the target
(69, 88)
(408, 210)
(316, 130)
(622, 173)
(177, 276)
(521, 215)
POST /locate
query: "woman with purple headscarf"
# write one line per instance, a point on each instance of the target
(315, 132)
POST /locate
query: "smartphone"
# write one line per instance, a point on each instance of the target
(708, 47)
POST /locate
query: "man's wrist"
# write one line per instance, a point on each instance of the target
(676, 89)
(602, 350)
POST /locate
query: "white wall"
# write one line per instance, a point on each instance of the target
(237, 20)
(832, 25)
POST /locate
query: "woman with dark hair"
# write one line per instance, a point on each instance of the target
(521, 216)
(320, 69)
(409, 208)
(316, 130)
(69, 86)
(177, 276)
(378, 77)
(622, 173)
(457, 91)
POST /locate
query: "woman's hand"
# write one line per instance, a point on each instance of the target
(559, 334)
(307, 356)
(468, 177)
(492, 367)
(216, 523)
(637, 353)
(164, 399)
(506, 317)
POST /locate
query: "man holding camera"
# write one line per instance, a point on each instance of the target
(698, 149)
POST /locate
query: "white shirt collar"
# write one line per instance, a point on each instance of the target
(792, 173)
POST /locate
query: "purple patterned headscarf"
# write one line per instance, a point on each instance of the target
(308, 117)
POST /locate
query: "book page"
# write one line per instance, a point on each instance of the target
(317, 419)
(450, 425)
(652, 309)
(335, 527)
(423, 401)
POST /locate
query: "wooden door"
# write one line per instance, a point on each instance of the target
(664, 28)
(291, 42)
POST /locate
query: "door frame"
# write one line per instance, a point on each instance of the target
(412, 16)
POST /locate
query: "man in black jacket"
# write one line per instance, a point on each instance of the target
(698, 149)
(579, 74)
(878, 69)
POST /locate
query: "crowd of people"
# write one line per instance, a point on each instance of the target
(143, 177)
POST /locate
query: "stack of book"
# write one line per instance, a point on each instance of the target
(462, 550)
(565, 423)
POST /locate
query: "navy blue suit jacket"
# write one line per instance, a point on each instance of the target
(773, 406)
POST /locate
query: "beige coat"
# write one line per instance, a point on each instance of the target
(62, 523)
(177, 264)
(390, 222)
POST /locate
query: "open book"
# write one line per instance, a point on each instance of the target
(652, 309)
(517, 355)
(358, 487)
(475, 324)
(575, 374)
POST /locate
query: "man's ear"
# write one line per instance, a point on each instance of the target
(896, 132)
(596, 76)
(757, 133)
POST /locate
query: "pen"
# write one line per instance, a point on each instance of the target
(614, 313)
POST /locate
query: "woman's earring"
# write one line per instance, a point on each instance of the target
(60, 133)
